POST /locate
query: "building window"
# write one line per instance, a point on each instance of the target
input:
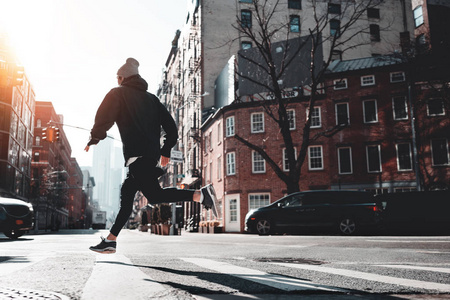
(316, 119)
(334, 8)
(219, 168)
(246, 19)
(246, 45)
(231, 163)
(286, 160)
(439, 151)
(421, 43)
(38, 141)
(233, 210)
(258, 200)
(291, 118)
(258, 163)
(295, 4)
(294, 24)
(336, 55)
(208, 141)
(340, 84)
(335, 28)
(373, 13)
(315, 158)
(38, 123)
(397, 77)
(229, 126)
(418, 16)
(374, 33)
(399, 108)
(370, 111)
(373, 159)
(345, 160)
(435, 107)
(257, 122)
(210, 171)
(36, 156)
(342, 114)
(404, 162)
(367, 80)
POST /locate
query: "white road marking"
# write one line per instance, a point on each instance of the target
(420, 268)
(114, 276)
(277, 281)
(17, 263)
(413, 241)
(445, 288)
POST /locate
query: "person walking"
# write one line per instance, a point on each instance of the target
(140, 115)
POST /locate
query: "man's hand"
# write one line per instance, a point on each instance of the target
(164, 161)
(86, 149)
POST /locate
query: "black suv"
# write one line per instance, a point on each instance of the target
(416, 212)
(16, 217)
(345, 211)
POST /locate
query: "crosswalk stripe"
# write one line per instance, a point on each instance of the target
(372, 277)
(113, 272)
(272, 280)
(419, 268)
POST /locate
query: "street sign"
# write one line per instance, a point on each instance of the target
(176, 156)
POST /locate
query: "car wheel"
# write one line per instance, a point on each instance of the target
(347, 226)
(263, 227)
(13, 234)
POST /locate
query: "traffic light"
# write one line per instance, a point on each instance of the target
(50, 134)
(18, 75)
(57, 134)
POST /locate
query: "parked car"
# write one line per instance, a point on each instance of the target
(416, 212)
(16, 217)
(344, 211)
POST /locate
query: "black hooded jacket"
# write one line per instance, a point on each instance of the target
(139, 116)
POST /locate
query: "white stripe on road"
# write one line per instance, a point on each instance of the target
(373, 277)
(431, 269)
(272, 280)
(115, 277)
(408, 242)
(20, 262)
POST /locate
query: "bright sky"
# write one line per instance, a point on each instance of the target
(72, 49)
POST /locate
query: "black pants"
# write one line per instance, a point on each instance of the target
(142, 176)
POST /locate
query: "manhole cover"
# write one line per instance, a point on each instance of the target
(292, 261)
(11, 293)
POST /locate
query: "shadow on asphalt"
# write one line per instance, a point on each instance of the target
(21, 239)
(263, 292)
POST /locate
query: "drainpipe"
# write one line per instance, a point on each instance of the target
(413, 134)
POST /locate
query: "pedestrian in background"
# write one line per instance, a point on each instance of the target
(140, 115)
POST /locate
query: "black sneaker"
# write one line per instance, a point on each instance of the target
(104, 247)
(208, 198)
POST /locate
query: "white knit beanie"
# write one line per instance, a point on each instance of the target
(130, 68)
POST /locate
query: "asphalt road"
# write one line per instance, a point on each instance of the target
(225, 266)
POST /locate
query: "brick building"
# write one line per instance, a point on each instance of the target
(211, 38)
(374, 152)
(57, 179)
(17, 101)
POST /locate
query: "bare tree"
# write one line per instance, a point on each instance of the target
(328, 31)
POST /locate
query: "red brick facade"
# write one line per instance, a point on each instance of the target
(378, 142)
(57, 178)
